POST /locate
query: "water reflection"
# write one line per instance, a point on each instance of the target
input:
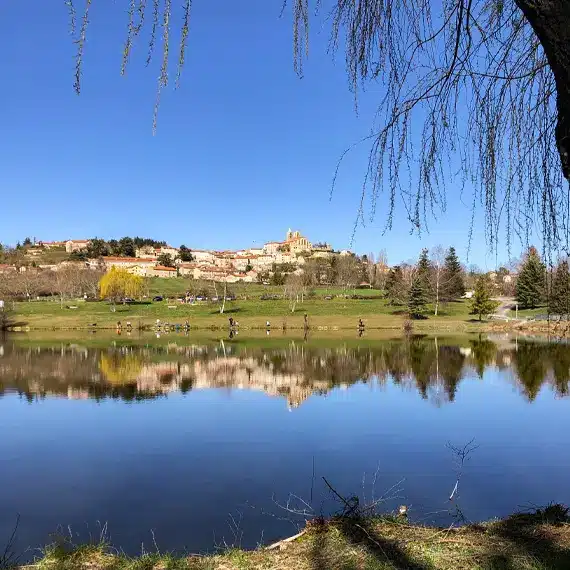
(293, 370)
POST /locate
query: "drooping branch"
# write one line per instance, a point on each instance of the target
(479, 88)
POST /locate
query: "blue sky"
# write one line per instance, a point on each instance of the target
(244, 149)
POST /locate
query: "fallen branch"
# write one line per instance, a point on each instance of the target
(285, 540)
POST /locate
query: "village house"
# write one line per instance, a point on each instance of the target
(272, 247)
(203, 256)
(134, 265)
(187, 269)
(162, 271)
(72, 245)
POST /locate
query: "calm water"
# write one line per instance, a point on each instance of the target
(189, 439)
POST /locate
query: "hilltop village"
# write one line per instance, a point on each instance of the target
(158, 259)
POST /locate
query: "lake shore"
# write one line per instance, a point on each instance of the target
(531, 541)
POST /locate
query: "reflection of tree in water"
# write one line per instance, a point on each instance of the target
(530, 364)
(423, 360)
(294, 371)
(560, 361)
(117, 368)
(451, 363)
(483, 354)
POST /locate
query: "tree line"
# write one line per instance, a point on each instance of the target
(70, 281)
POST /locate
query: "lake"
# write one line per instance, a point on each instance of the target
(190, 444)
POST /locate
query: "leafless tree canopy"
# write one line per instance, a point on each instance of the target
(476, 88)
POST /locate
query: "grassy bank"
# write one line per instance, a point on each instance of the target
(536, 541)
(251, 313)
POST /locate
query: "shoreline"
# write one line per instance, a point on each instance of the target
(558, 330)
(533, 541)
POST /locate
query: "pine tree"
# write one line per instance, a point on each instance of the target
(481, 303)
(453, 283)
(559, 302)
(417, 299)
(395, 287)
(424, 272)
(530, 283)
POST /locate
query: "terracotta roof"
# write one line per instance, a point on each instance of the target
(163, 268)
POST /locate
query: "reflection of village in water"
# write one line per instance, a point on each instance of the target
(433, 367)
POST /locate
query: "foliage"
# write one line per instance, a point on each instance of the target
(424, 272)
(559, 299)
(453, 283)
(395, 288)
(124, 247)
(531, 281)
(184, 254)
(117, 284)
(481, 303)
(417, 297)
(165, 259)
(97, 248)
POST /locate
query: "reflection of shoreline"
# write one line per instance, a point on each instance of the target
(295, 373)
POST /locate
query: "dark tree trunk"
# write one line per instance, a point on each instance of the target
(550, 20)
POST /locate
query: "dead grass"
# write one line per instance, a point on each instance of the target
(535, 541)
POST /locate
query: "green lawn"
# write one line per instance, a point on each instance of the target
(251, 313)
(526, 313)
(179, 285)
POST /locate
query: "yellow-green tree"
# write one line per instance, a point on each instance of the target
(117, 284)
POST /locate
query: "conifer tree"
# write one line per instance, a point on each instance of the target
(454, 285)
(417, 298)
(481, 303)
(424, 273)
(530, 283)
(559, 302)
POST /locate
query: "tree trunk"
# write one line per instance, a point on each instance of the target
(436, 297)
(550, 20)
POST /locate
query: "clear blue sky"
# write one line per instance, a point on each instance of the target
(244, 150)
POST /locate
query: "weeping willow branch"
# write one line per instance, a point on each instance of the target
(476, 88)
(80, 47)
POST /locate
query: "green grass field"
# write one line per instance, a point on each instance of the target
(249, 309)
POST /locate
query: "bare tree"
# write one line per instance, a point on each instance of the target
(479, 83)
(371, 269)
(221, 299)
(64, 280)
(382, 270)
(437, 256)
(293, 290)
(28, 282)
(409, 270)
(347, 271)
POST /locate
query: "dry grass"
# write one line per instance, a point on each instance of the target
(537, 541)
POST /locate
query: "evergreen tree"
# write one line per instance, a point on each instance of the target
(453, 283)
(395, 287)
(417, 299)
(481, 303)
(423, 275)
(559, 302)
(530, 283)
